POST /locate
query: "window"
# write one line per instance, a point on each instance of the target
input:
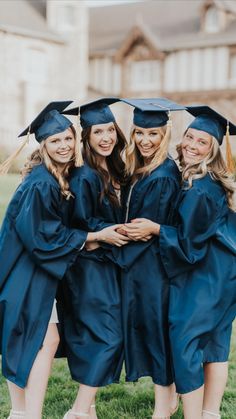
(212, 20)
(233, 70)
(145, 75)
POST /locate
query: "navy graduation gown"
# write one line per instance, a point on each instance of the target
(199, 258)
(36, 249)
(145, 286)
(92, 320)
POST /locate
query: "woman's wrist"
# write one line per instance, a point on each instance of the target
(156, 229)
(93, 237)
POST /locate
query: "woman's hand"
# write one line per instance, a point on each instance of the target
(141, 229)
(112, 236)
(91, 246)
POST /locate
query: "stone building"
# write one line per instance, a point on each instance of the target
(43, 57)
(184, 50)
(61, 49)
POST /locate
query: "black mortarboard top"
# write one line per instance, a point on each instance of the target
(49, 121)
(94, 113)
(210, 121)
(152, 112)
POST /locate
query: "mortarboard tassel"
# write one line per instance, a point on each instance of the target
(229, 156)
(169, 125)
(169, 122)
(5, 166)
(78, 152)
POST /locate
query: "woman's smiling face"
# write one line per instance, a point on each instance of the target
(195, 145)
(61, 147)
(103, 139)
(147, 141)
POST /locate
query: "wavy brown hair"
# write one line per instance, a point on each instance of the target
(39, 156)
(115, 164)
(134, 161)
(213, 164)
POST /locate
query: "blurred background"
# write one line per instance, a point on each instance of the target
(80, 50)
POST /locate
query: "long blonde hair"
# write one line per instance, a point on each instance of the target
(134, 161)
(213, 164)
(39, 156)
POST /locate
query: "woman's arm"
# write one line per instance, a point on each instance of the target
(86, 213)
(184, 246)
(51, 244)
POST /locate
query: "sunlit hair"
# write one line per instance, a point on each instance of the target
(213, 164)
(115, 164)
(134, 161)
(39, 156)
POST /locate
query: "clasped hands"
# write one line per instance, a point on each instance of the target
(140, 229)
(121, 234)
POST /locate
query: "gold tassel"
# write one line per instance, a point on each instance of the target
(5, 166)
(229, 156)
(169, 124)
(78, 152)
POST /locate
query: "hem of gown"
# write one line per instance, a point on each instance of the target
(88, 383)
(20, 384)
(148, 374)
(215, 360)
(190, 389)
(23, 382)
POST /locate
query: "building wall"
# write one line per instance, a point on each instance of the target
(35, 71)
(197, 69)
(69, 19)
(29, 79)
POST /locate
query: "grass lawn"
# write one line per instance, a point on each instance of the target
(120, 401)
(8, 184)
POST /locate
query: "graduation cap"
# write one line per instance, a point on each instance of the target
(152, 112)
(47, 123)
(94, 113)
(210, 121)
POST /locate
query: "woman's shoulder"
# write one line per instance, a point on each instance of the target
(39, 179)
(38, 185)
(209, 186)
(168, 169)
(40, 174)
(84, 172)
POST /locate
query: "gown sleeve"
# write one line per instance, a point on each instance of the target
(226, 231)
(183, 246)
(52, 245)
(85, 211)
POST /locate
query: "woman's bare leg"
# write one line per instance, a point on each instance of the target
(163, 401)
(17, 396)
(85, 397)
(192, 403)
(38, 379)
(92, 412)
(216, 375)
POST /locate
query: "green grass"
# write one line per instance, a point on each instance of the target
(8, 184)
(119, 401)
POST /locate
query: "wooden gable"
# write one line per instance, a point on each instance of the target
(138, 46)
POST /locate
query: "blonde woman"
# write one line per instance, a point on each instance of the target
(36, 249)
(199, 258)
(145, 287)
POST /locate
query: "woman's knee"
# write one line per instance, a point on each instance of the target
(52, 338)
